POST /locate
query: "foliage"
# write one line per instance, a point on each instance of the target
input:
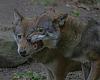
(28, 76)
(75, 13)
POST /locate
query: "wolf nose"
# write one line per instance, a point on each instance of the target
(23, 53)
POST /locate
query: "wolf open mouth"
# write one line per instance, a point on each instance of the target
(37, 44)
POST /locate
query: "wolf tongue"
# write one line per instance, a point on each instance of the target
(37, 44)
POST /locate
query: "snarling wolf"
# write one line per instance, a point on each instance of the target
(58, 43)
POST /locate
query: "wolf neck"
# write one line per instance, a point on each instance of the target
(46, 55)
(70, 36)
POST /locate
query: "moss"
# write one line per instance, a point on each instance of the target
(7, 48)
(8, 54)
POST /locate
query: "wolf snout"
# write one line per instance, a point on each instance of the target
(22, 53)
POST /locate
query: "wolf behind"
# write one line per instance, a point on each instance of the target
(53, 41)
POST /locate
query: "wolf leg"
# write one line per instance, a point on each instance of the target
(85, 70)
(61, 68)
(95, 71)
(65, 65)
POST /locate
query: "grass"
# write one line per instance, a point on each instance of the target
(29, 75)
(75, 13)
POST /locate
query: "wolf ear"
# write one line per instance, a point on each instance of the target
(17, 16)
(60, 21)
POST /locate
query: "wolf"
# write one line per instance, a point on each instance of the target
(59, 43)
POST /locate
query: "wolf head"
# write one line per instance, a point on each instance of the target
(32, 35)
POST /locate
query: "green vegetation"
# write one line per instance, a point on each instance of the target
(75, 13)
(29, 75)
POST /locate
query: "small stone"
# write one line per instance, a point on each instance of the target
(67, 5)
(84, 7)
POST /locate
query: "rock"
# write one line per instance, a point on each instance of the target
(84, 7)
(77, 75)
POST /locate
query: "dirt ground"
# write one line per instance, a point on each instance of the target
(82, 11)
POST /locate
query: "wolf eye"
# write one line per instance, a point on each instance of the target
(40, 29)
(19, 36)
(29, 40)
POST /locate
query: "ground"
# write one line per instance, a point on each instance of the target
(82, 10)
